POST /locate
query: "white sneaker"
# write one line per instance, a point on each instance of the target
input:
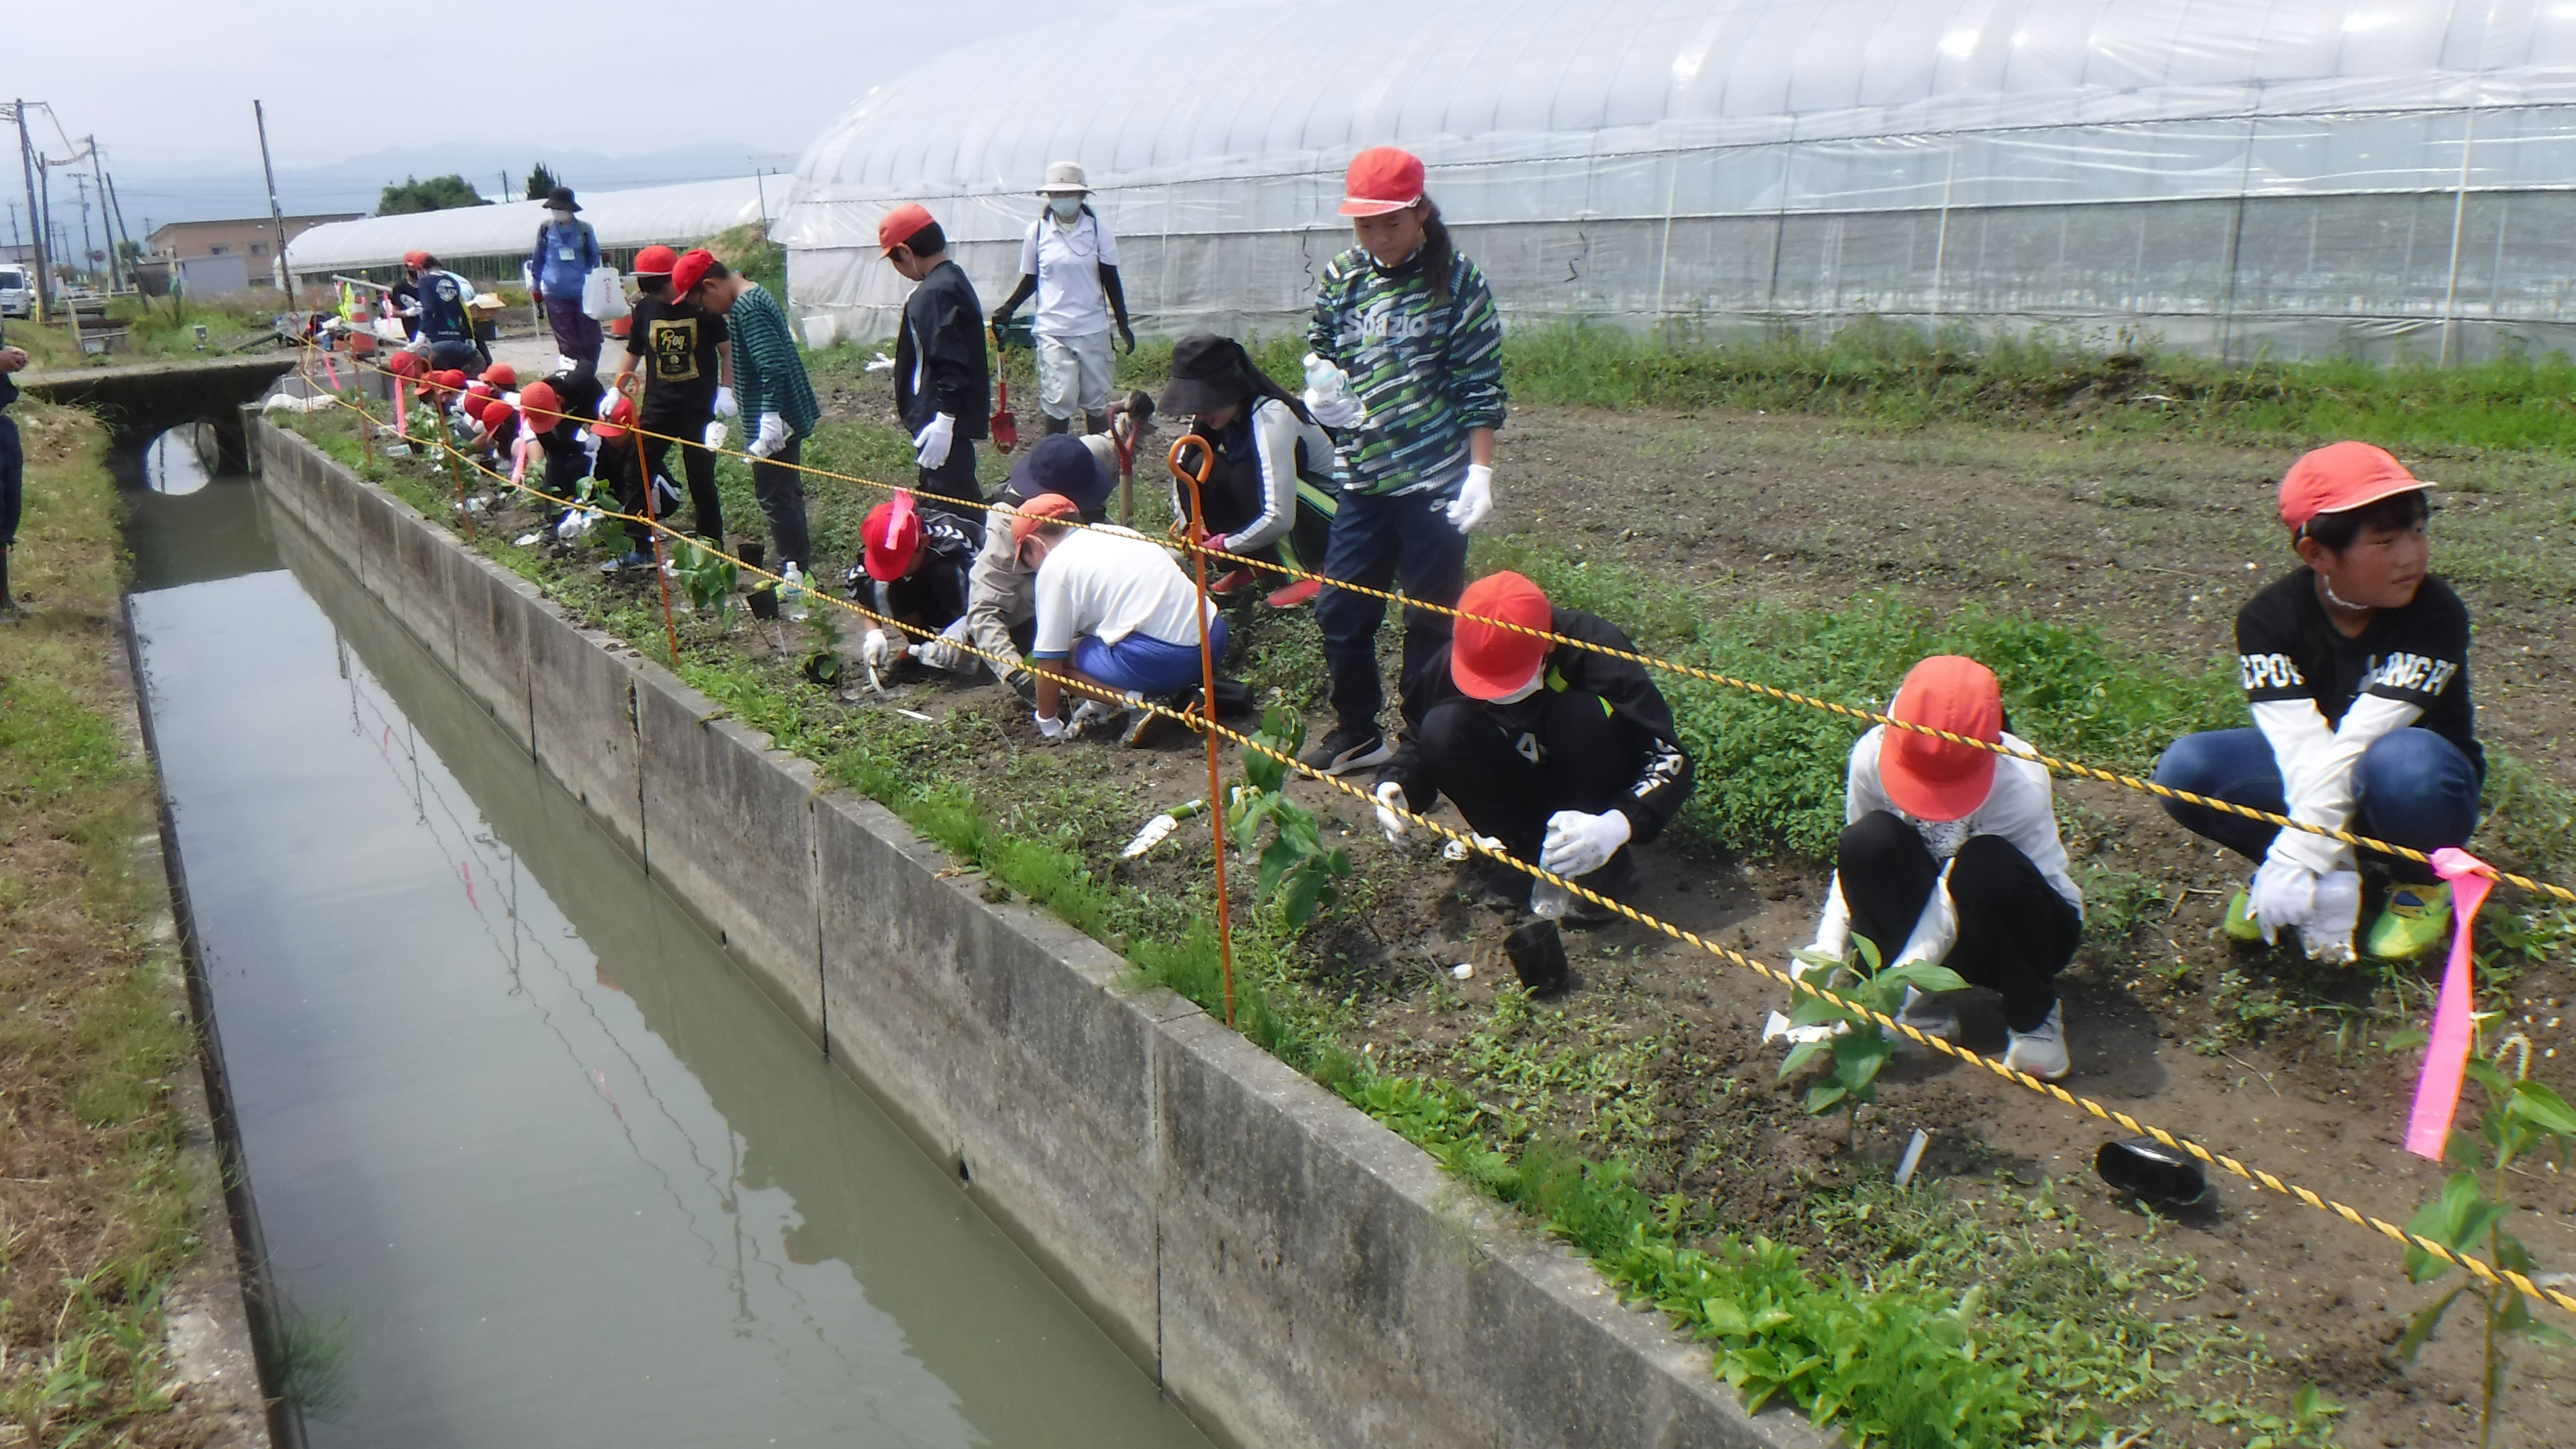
(2041, 1052)
(1929, 1015)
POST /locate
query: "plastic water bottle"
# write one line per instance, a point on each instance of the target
(1548, 900)
(791, 594)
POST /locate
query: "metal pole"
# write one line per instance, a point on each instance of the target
(116, 209)
(2459, 220)
(35, 225)
(276, 219)
(106, 224)
(1207, 702)
(1941, 235)
(80, 185)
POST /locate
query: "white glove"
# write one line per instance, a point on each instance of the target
(1475, 498)
(1050, 727)
(726, 407)
(1390, 798)
(1578, 844)
(2327, 931)
(772, 435)
(1329, 398)
(2284, 893)
(933, 441)
(714, 437)
(941, 653)
(879, 363)
(876, 649)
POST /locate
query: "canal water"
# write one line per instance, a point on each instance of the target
(533, 1162)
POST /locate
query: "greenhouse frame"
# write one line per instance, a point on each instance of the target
(2286, 178)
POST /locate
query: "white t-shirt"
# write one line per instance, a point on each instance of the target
(1107, 582)
(1067, 260)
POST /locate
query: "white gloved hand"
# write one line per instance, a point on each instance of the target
(933, 441)
(940, 653)
(2327, 931)
(876, 649)
(714, 437)
(772, 435)
(1390, 798)
(726, 407)
(2284, 893)
(1578, 844)
(1330, 399)
(879, 363)
(1475, 498)
(1050, 727)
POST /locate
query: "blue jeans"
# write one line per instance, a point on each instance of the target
(2416, 789)
(1146, 664)
(1377, 540)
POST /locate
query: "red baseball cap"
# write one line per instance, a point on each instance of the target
(478, 388)
(416, 259)
(1382, 179)
(539, 402)
(2340, 477)
(501, 374)
(690, 270)
(448, 380)
(1934, 779)
(891, 536)
(1040, 510)
(1489, 661)
(405, 364)
(494, 410)
(614, 423)
(655, 261)
(901, 225)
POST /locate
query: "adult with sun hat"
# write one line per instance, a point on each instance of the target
(2356, 668)
(1406, 370)
(1567, 756)
(1950, 855)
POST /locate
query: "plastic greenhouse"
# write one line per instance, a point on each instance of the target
(488, 243)
(2291, 177)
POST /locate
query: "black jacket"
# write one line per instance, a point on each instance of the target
(1664, 775)
(939, 362)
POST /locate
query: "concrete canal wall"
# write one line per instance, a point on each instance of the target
(1290, 1271)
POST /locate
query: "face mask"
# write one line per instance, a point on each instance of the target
(560, 217)
(1066, 208)
(1537, 678)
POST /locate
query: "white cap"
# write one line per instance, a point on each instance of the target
(1064, 178)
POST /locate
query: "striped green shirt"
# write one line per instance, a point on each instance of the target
(768, 372)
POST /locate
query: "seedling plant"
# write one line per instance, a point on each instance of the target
(708, 576)
(1297, 870)
(2522, 1118)
(1858, 1051)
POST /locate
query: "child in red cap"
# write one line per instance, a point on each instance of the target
(1406, 369)
(1951, 856)
(913, 567)
(2356, 665)
(943, 390)
(1566, 756)
(687, 383)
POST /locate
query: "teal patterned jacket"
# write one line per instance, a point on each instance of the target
(1427, 370)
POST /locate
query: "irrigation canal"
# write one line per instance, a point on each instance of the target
(532, 1162)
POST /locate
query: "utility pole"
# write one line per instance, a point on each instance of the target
(115, 279)
(276, 219)
(89, 269)
(27, 164)
(116, 209)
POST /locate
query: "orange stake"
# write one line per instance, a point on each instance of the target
(1207, 701)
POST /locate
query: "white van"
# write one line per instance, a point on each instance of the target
(17, 296)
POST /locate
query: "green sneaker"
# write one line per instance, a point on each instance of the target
(2240, 924)
(2418, 919)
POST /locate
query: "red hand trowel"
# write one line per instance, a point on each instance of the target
(1006, 429)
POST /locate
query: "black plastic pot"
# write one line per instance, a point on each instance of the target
(1537, 954)
(763, 601)
(751, 551)
(823, 668)
(2144, 1167)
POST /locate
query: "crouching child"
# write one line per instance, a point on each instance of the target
(1567, 756)
(913, 570)
(1116, 618)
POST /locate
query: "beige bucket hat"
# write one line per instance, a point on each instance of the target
(1064, 178)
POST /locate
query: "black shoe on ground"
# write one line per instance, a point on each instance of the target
(1507, 888)
(1617, 880)
(1025, 685)
(1347, 749)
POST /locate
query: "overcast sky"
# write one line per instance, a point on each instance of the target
(166, 85)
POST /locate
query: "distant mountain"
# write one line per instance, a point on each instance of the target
(352, 185)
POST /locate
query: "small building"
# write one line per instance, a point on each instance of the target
(252, 238)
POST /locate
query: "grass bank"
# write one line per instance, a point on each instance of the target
(94, 1198)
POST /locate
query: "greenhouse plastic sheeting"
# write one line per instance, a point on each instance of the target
(490, 241)
(2293, 175)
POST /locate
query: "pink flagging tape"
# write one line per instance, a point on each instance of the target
(332, 371)
(519, 460)
(2437, 1091)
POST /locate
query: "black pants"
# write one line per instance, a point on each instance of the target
(2015, 931)
(13, 479)
(1481, 758)
(780, 491)
(955, 479)
(695, 460)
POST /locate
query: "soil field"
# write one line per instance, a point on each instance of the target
(2154, 542)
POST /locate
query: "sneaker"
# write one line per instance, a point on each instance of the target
(1296, 595)
(1233, 582)
(1025, 685)
(1929, 1014)
(1617, 880)
(2041, 1052)
(1347, 749)
(2418, 918)
(2240, 924)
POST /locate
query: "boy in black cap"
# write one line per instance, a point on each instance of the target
(1001, 596)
